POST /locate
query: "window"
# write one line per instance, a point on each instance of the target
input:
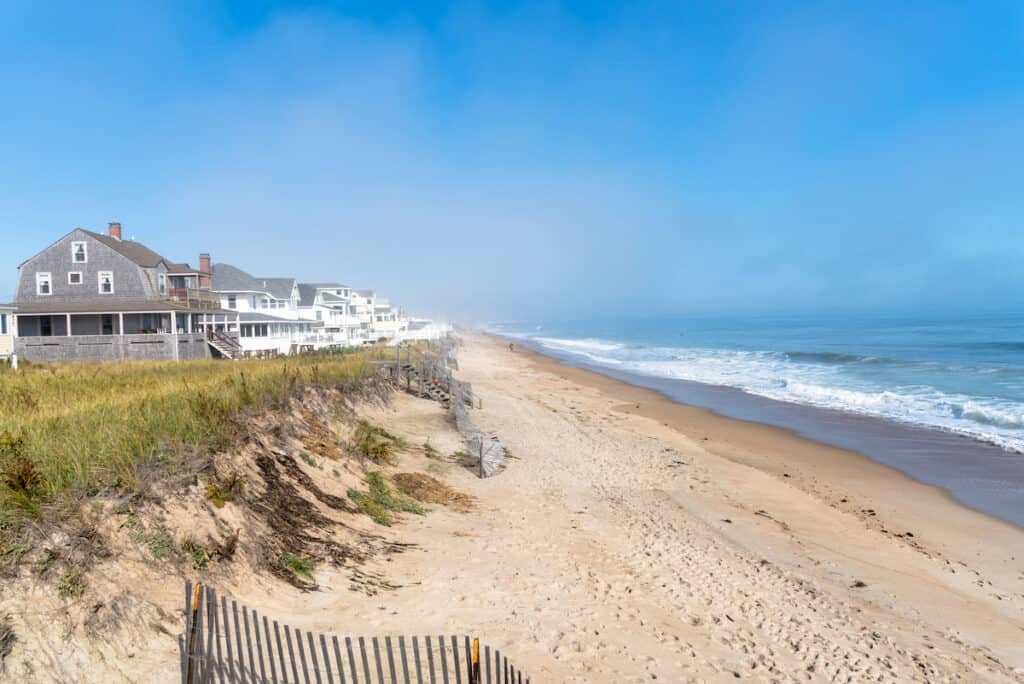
(264, 304)
(107, 324)
(74, 278)
(232, 302)
(106, 282)
(161, 282)
(78, 253)
(3, 324)
(319, 316)
(45, 326)
(43, 285)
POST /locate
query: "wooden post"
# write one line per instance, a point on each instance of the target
(481, 457)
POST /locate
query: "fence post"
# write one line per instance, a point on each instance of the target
(481, 457)
(192, 633)
(476, 661)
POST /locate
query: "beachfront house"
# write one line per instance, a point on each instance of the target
(98, 297)
(388, 321)
(329, 303)
(268, 312)
(6, 331)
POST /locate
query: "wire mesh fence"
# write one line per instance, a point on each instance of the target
(228, 643)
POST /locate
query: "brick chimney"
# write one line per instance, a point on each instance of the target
(114, 230)
(204, 267)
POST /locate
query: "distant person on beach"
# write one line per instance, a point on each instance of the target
(511, 347)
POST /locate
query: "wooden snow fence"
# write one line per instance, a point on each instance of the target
(225, 643)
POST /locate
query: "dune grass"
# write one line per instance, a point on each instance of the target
(379, 501)
(80, 427)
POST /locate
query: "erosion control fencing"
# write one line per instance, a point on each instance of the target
(225, 643)
(432, 377)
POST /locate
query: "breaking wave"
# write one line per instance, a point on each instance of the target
(865, 385)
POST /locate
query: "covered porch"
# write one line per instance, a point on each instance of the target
(125, 330)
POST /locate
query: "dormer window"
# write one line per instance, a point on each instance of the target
(44, 284)
(161, 280)
(106, 282)
(79, 255)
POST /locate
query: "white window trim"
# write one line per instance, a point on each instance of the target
(85, 251)
(99, 282)
(48, 277)
(81, 279)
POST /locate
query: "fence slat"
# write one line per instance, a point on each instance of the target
(469, 662)
(248, 645)
(302, 656)
(366, 663)
(430, 661)
(238, 641)
(405, 663)
(259, 646)
(487, 662)
(338, 660)
(291, 653)
(455, 660)
(504, 660)
(416, 660)
(226, 626)
(270, 650)
(312, 655)
(376, 657)
(218, 628)
(444, 660)
(280, 654)
(352, 661)
(391, 659)
(327, 659)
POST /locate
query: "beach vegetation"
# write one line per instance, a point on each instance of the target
(79, 429)
(199, 554)
(375, 443)
(300, 566)
(72, 585)
(379, 501)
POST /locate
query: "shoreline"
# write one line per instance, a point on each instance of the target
(854, 427)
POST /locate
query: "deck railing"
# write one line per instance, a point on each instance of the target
(192, 298)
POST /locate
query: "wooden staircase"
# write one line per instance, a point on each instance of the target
(225, 345)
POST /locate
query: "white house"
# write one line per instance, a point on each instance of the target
(388, 321)
(268, 312)
(328, 303)
(6, 331)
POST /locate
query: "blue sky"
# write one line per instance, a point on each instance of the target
(524, 160)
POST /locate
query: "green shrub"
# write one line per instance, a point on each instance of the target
(379, 501)
(298, 565)
(375, 443)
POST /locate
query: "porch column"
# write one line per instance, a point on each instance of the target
(188, 317)
(120, 323)
(68, 318)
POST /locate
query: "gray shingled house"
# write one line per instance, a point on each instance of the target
(95, 297)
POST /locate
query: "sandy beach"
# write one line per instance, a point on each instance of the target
(633, 539)
(629, 539)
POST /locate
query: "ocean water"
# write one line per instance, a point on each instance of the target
(960, 376)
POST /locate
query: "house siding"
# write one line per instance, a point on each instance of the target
(129, 281)
(113, 348)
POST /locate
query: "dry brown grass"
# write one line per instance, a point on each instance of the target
(429, 490)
